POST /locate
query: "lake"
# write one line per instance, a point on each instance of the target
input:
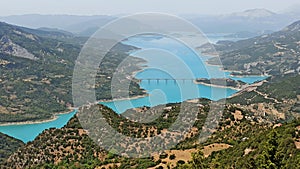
(160, 64)
(163, 64)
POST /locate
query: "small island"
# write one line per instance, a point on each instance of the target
(222, 82)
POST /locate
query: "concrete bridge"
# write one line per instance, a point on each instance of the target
(166, 80)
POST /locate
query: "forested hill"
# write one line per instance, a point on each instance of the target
(36, 72)
(277, 98)
(272, 148)
(8, 145)
(255, 135)
(275, 54)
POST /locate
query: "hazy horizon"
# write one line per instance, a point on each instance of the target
(116, 7)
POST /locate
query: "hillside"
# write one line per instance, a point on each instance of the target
(36, 72)
(277, 96)
(270, 148)
(274, 54)
(252, 130)
(244, 130)
(8, 146)
(71, 146)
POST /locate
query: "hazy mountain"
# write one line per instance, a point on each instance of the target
(253, 13)
(70, 23)
(254, 20)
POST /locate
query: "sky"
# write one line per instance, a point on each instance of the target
(115, 7)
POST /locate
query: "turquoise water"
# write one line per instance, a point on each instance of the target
(174, 60)
(162, 93)
(169, 59)
(28, 132)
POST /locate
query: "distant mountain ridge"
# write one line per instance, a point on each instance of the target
(16, 40)
(254, 13)
(253, 20)
(71, 23)
(43, 32)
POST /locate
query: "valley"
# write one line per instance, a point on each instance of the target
(245, 115)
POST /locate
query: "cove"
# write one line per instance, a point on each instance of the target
(28, 132)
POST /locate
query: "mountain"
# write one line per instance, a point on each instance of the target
(8, 146)
(48, 33)
(252, 130)
(30, 65)
(71, 23)
(274, 54)
(36, 72)
(253, 13)
(253, 20)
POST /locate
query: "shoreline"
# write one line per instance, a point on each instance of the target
(122, 99)
(233, 71)
(142, 65)
(53, 118)
(72, 109)
(218, 86)
(241, 76)
(55, 115)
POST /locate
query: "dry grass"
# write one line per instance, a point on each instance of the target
(185, 155)
(214, 147)
(238, 115)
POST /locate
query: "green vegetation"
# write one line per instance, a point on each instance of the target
(273, 54)
(36, 87)
(254, 144)
(253, 124)
(278, 88)
(223, 82)
(8, 146)
(282, 88)
(272, 148)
